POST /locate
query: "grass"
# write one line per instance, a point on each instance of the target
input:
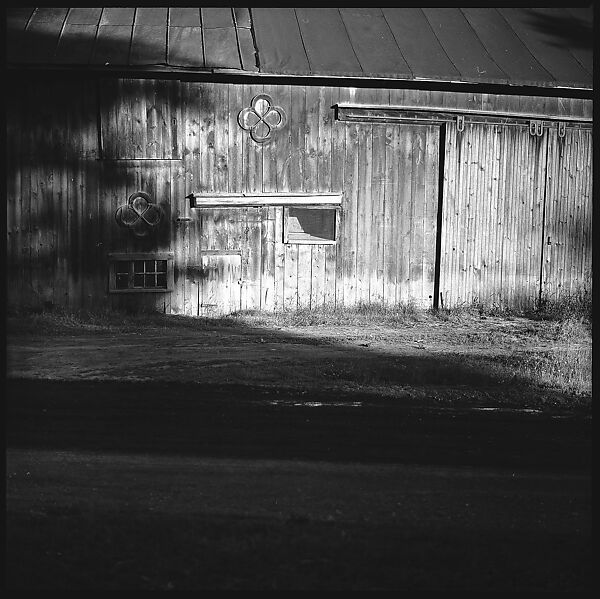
(560, 331)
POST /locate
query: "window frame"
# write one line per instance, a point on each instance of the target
(311, 240)
(131, 258)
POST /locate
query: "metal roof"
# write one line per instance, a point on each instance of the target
(542, 47)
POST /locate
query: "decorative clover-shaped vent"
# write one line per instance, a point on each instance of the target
(139, 214)
(262, 118)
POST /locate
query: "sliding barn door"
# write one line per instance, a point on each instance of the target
(567, 267)
(387, 242)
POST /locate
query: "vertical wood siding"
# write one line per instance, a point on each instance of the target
(74, 158)
(493, 205)
(567, 266)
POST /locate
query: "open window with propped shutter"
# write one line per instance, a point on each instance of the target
(310, 224)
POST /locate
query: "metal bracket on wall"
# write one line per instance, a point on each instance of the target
(562, 128)
(460, 122)
(536, 127)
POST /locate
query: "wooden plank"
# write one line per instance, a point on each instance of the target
(95, 292)
(462, 148)
(324, 183)
(140, 89)
(279, 259)
(216, 200)
(514, 217)
(267, 275)
(253, 160)
(588, 188)
(13, 193)
(290, 291)
(311, 139)
(418, 215)
(64, 103)
(235, 144)
(491, 252)
(431, 209)
(476, 208)
(484, 231)
(304, 275)
(390, 224)
(377, 221)
(403, 207)
(539, 159)
(338, 178)
(254, 258)
(297, 118)
(221, 137)
(270, 149)
(449, 215)
(363, 235)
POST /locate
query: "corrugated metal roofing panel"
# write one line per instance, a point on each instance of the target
(247, 52)
(374, 43)
(112, 45)
(76, 44)
(504, 46)
(326, 41)
(242, 17)
(418, 44)
(220, 48)
(279, 41)
(117, 16)
(148, 45)
(516, 46)
(583, 50)
(184, 17)
(40, 40)
(84, 16)
(17, 17)
(463, 47)
(49, 15)
(151, 16)
(537, 28)
(213, 18)
(185, 47)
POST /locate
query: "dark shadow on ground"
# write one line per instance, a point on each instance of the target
(246, 422)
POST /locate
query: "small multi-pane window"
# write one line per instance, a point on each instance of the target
(140, 273)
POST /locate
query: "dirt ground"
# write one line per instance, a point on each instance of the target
(184, 454)
(478, 361)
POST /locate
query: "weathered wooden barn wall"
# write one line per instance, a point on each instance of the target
(78, 148)
(516, 214)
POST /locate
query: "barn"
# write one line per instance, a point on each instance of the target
(202, 161)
